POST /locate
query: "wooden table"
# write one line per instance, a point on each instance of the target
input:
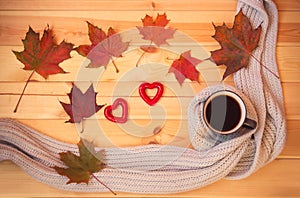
(41, 110)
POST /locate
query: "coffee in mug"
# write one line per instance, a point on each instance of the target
(225, 112)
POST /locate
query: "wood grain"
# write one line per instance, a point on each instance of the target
(48, 107)
(71, 25)
(274, 180)
(288, 63)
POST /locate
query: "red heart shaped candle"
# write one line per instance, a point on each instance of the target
(142, 91)
(108, 111)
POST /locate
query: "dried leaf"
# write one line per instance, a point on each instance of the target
(185, 67)
(103, 48)
(82, 105)
(155, 30)
(237, 44)
(42, 56)
(80, 168)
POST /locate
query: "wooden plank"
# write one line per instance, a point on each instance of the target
(76, 65)
(132, 5)
(135, 16)
(48, 107)
(173, 132)
(287, 57)
(292, 105)
(278, 179)
(104, 88)
(72, 27)
(292, 149)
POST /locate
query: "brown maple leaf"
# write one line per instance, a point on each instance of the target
(155, 30)
(82, 105)
(103, 48)
(185, 67)
(42, 55)
(237, 44)
(81, 168)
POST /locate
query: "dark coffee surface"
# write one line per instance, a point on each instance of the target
(223, 113)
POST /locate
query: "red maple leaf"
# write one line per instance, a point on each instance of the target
(82, 105)
(155, 30)
(103, 48)
(237, 44)
(185, 67)
(42, 56)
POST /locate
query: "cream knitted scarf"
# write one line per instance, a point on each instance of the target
(170, 169)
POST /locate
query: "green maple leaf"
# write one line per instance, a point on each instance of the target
(81, 168)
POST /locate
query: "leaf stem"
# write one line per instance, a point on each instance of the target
(139, 60)
(239, 47)
(171, 59)
(28, 80)
(104, 184)
(265, 66)
(144, 52)
(113, 62)
(82, 126)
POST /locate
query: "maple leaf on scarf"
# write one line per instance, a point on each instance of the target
(42, 55)
(81, 168)
(103, 48)
(82, 105)
(237, 44)
(185, 67)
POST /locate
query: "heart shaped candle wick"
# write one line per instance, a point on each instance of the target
(108, 111)
(142, 91)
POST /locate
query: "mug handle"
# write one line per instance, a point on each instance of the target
(249, 123)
